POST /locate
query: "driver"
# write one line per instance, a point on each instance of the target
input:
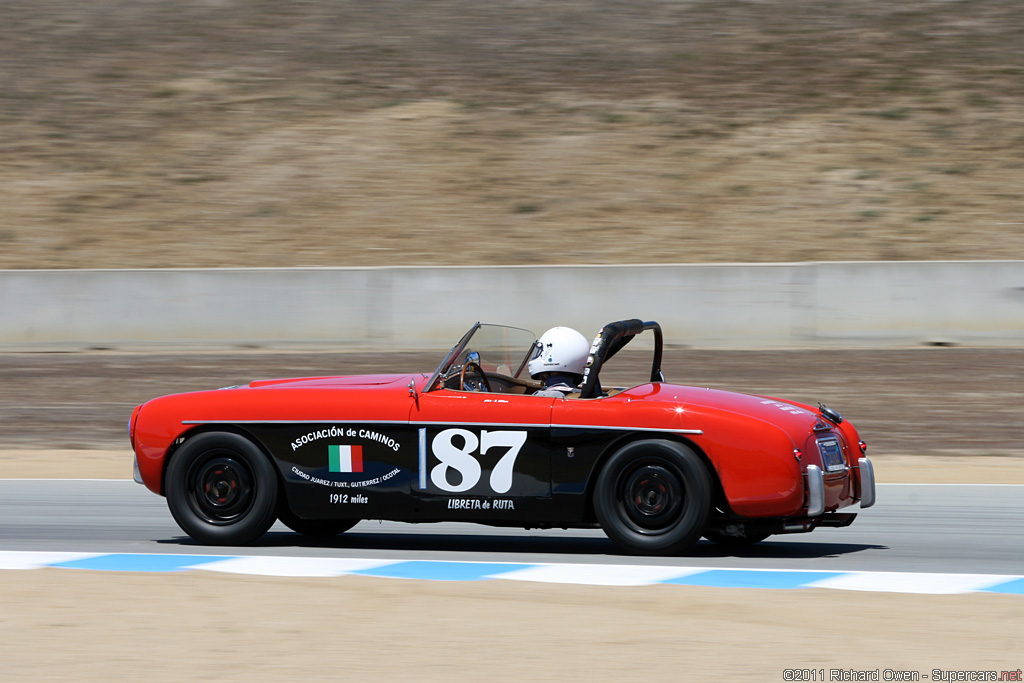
(558, 361)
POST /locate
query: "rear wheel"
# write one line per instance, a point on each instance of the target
(221, 489)
(654, 497)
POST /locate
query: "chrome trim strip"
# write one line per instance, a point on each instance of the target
(423, 458)
(294, 422)
(867, 483)
(136, 474)
(632, 429)
(530, 425)
(815, 491)
(414, 423)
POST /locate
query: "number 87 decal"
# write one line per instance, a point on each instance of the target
(462, 460)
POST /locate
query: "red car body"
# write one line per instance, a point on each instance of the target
(657, 465)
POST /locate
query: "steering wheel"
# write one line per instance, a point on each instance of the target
(483, 383)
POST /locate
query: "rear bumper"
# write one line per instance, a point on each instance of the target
(867, 483)
(815, 491)
(815, 515)
(816, 487)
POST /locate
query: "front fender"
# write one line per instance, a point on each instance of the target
(157, 427)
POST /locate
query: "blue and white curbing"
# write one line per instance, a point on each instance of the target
(583, 574)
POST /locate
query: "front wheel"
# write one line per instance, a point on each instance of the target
(654, 497)
(221, 489)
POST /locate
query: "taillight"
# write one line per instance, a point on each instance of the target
(863, 447)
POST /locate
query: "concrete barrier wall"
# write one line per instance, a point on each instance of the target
(733, 306)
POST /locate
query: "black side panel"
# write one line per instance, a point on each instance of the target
(344, 471)
(492, 474)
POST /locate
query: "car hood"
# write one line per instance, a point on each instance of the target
(329, 382)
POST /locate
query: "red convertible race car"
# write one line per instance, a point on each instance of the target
(656, 465)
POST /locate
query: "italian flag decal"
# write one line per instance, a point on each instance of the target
(345, 458)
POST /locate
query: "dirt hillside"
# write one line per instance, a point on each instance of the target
(340, 133)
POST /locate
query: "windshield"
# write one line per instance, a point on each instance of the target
(495, 348)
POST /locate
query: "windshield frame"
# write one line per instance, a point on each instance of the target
(447, 365)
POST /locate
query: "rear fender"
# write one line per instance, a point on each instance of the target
(755, 464)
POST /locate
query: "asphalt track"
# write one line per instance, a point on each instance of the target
(976, 529)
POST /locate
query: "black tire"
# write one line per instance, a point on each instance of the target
(654, 497)
(313, 527)
(221, 489)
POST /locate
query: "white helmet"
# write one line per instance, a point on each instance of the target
(560, 349)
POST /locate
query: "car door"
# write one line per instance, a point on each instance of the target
(482, 456)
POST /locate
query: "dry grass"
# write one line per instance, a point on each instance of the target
(326, 132)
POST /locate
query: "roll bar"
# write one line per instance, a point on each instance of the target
(610, 341)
